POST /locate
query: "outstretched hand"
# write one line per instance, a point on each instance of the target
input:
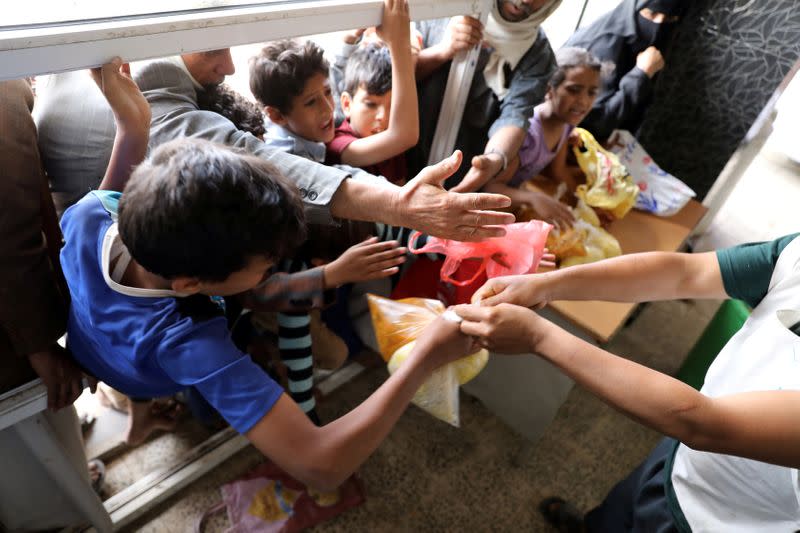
(365, 261)
(483, 168)
(424, 204)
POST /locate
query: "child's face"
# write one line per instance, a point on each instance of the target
(311, 114)
(367, 113)
(574, 97)
(240, 281)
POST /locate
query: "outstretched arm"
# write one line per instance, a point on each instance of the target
(132, 119)
(403, 130)
(330, 454)
(642, 277)
(756, 425)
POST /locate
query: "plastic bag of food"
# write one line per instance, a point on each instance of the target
(608, 185)
(517, 252)
(660, 192)
(397, 325)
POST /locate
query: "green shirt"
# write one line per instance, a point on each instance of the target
(747, 268)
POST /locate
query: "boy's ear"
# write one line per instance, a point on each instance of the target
(345, 100)
(274, 115)
(186, 285)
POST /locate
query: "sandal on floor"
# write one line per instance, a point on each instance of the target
(100, 468)
(562, 515)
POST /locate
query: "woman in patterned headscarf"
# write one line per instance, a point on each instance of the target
(633, 36)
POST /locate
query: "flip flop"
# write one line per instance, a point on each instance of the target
(100, 468)
(562, 515)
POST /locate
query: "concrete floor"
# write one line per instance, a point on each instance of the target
(486, 476)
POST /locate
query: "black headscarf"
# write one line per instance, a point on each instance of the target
(621, 34)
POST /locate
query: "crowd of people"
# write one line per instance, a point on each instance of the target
(199, 224)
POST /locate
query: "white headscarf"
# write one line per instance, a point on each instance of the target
(510, 41)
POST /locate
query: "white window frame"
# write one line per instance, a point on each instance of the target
(53, 48)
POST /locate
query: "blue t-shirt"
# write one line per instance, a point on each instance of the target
(148, 344)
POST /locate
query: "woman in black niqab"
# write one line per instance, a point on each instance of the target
(620, 36)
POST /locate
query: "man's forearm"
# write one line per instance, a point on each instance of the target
(370, 201)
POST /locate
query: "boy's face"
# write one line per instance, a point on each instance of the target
(367, 113)
(311, 114)
(240, 281)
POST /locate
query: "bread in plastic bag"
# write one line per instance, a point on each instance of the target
(397, 325)
(660, 192)
(608, 185)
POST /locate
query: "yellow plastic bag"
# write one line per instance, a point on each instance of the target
(608, 185)
(397, 325)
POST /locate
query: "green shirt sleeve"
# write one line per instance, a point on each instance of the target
(747, 268)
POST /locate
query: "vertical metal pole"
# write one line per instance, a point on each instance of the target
(459, 81)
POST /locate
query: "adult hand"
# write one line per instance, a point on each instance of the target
(527, 290)
(395, 28)
(442, 342)
(504, 328)
(131, 110)
(551, 210)
(484, 168)
(366, 260)
(650, 61)
(462, 33)
(60, 375)
(424, 205)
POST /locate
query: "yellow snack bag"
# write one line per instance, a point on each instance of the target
(608, 185)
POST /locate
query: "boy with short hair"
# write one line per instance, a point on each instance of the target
(379, 102)
(197, 220)
(290, 80)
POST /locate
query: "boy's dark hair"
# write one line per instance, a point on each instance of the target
(573, 56)
(281, 70)
(199, 209)
(370, 66)
(223, 100)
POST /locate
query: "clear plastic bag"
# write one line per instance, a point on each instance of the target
(397, 325)
(660, 192)
(517, 252)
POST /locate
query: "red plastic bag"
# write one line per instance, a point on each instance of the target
(517, 252)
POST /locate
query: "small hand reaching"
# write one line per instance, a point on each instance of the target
(551, 210)
(366, 260)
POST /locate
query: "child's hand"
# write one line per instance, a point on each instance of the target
(395, 28)
(364, 261)
(131, 110)
(353, 36)
(442, 342)
(551, 210)
(505, 328)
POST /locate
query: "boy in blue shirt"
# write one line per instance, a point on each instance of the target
(197, 220)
